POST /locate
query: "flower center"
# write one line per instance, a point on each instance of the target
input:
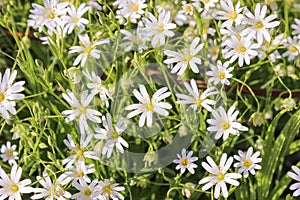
(225, 125)
(87, 192)
(214, 50)
(220, 176)
(82, 109)
(221, 75)
(107, 191)
(184, 162)
(80, 153)
(78, 173)
(160, 28)
(241, 49)
(199, 102)
(9, 153)
(149, 107)
(292, 49)
(232, 14)
(188, 8)
(51, 15)
(89, 49)
(247, 163)
(259, 25)
(76, 19)
(58, 193)
(115, 135)
(134, 7)
(14, 188)
(2, 97)
(187, 58)
(205, 1)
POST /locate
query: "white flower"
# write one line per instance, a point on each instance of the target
(230, 14)
(296, 176)
(9, 153)
(187, 8)
(147, 106)
(134, 41)
(247, 162)
(48, 16)
(220, 73)
(86, 192)
(11, 186)
(77, 172)
(296, 27)
(132, 9)
(293, 48)
(259, 24)
(241, 49)
(86, 49)
(219, 176)
(98, 88)
(80, 110)
(108, 190)
(186, 162)
(9, 92)
(159, 28)
(187, 57)
(207, 3)
(75, 19)
(78, 152)
(195, 98)
(225, 123)
(50, 191)
(112, 134)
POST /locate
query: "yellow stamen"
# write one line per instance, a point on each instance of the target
(160, 28)
(241, 49)
(89, 49)
(80, 153)
(220, 176)
(199, 102)
(87, 192)
(187, 58)
(107, 191)
(231, 15)
(115, 135)
(2, 97)
(78, 173)
(214, 50)
(259, 25)
(9, 153)
(58, 193)
(225, 125)
(149, 107)
(188, 8)
(221, 75)
(292, 49)
(14, 188)
(82, 109)
(51, 15)
(247, 163)
(134, 7)
(184, 162)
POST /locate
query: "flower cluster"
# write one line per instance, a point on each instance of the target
(205, 69)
